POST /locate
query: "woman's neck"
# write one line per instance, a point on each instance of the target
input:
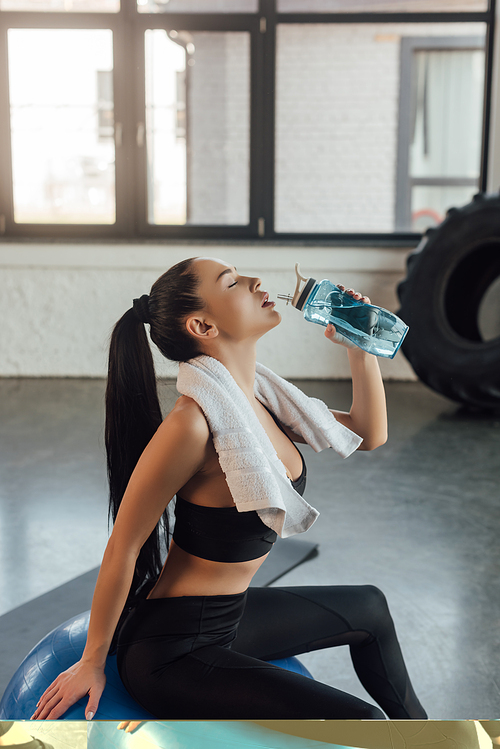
(240, 363)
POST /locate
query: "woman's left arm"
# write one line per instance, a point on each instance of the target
(368, 414)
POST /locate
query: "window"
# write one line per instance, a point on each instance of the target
(198, 127)
(197, 6)
(62, 167)
(295, 119)
(440, 124)
(71, 6)
(381, 6)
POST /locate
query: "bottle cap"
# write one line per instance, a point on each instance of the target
(300, 294)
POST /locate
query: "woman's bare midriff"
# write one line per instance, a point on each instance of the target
(186, 575)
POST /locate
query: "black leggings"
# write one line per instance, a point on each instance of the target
(180, 658)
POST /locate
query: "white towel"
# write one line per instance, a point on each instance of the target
(254, 474)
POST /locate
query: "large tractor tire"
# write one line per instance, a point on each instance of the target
(451, 301)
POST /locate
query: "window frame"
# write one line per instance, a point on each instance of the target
(128, 27)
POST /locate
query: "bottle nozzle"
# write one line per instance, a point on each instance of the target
(286, 297)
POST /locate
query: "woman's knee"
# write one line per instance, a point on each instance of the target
(376, 606)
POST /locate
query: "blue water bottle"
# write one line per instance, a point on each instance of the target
(373, 329)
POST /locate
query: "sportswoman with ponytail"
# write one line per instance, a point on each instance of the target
(191, 636)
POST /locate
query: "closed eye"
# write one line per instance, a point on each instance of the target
(232, 284)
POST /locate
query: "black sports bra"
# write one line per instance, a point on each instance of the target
(222, 534)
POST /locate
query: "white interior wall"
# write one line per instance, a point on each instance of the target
(59, 302)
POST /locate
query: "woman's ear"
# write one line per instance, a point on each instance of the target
(200, 328)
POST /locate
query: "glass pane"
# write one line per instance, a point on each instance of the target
(62, 125)
(82, 6)
(198, 127)
(429, 204)
(337, 121)
(447, 126)
(197, 6)
(382, 6)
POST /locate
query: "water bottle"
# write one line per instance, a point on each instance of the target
(373, 329)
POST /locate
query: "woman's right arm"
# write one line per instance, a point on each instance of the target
(176, 452)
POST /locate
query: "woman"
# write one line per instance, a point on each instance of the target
(195, 636)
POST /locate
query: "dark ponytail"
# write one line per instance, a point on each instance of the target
(133, 412)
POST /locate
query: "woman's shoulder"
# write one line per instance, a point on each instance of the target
(187, 419)
(183, 436)
(189, 408)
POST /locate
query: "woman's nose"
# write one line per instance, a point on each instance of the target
(255, 284)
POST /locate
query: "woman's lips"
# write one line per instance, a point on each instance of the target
(266, 302)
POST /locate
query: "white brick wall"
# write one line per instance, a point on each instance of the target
(59, 302)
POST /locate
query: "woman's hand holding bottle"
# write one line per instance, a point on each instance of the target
(80, 679)
(331, 332)
(373, 329)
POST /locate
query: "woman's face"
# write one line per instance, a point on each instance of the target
(236, 305)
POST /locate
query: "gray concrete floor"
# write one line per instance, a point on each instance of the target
(418, 517)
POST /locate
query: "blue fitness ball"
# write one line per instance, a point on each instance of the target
(59, 650)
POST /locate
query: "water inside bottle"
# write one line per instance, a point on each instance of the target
(371, 328)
